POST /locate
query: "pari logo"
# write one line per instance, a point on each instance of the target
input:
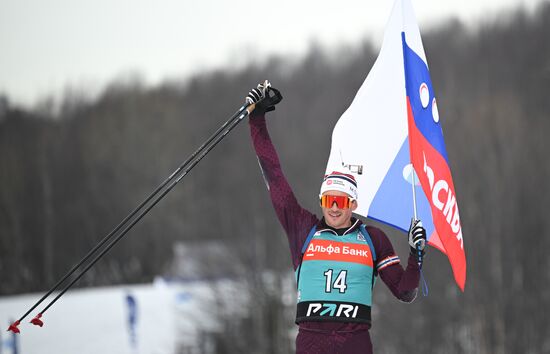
(442, 198)
(329, 309)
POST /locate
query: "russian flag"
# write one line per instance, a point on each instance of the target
(393, 125)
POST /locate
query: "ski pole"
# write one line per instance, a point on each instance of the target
(37, 320)
(244, 111)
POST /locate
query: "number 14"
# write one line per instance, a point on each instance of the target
(339, 283)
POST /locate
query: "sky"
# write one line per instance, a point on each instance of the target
(46, 46)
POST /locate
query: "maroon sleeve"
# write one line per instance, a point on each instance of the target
(402, 283)
(296, 221)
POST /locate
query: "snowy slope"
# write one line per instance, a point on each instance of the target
(92, 321)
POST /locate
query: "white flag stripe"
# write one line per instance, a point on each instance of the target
(372, 130)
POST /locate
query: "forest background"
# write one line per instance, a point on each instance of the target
(71, 170)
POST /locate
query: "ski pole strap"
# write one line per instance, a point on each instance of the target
(275, 98)
(419, 256)
(423, 283)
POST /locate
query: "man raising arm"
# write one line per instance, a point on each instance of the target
(336, 258)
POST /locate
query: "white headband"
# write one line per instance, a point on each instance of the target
(337, 181)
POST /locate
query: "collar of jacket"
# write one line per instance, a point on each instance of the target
(323, 227)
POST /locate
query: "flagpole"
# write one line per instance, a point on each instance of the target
(413, 179)
(414, 191)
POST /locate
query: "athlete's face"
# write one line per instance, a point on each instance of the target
(336, 217)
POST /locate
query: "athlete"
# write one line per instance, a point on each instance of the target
(336, 258)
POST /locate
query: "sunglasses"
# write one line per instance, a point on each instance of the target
(342, 201)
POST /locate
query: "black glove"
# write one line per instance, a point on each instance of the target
(264, 97)
(417, 239)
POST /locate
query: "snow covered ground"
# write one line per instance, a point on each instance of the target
(91, 321)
